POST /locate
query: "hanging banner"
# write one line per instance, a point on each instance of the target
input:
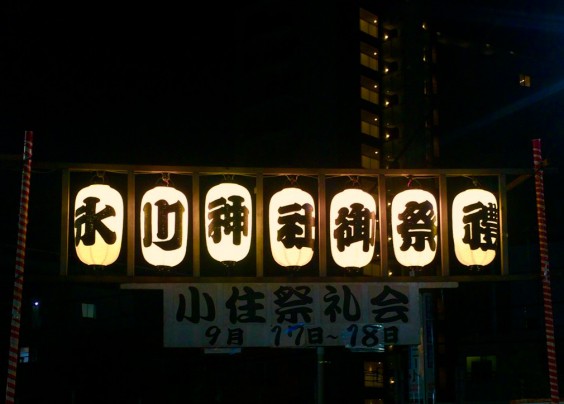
(355, 315)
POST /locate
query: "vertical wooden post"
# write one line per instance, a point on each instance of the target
(546, 289)
(13, 353)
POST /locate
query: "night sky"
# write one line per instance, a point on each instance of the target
(90, 80)
(116, 84)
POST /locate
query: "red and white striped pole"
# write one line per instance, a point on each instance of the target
(13, 352)
(546, 289)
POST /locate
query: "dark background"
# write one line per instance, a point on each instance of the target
(160, 84)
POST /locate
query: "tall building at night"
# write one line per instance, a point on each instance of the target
(358, 78)
(397, 87)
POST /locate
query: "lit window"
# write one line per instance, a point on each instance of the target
(480, 368)
(369, 56)
(369, 90)
(369, 163)
(370, 157)
(88, 310)
(373, 374)
(369, 124)
(524, 80)
(368, 23)
(24, 355)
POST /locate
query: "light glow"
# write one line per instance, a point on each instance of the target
(98, 208)
(413, 236)
(359, 253)
(296, 255)
(229, 222)
(475, 227)
(164, 225)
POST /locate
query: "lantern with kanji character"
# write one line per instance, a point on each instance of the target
(352, 228)
(475, 227)
(414, 227)
(164, 225)
(292, 227)
(98, 224)
(229, 222)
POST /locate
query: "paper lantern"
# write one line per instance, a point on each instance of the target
(414, 227)
(229, 222)
(475, 227)
(164, 225)
(98, 224)
(352, 228)
(292, 227)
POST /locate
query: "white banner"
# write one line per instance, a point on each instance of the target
(356, 315)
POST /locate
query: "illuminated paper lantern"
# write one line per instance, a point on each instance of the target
(352, 228)
(475, 227)
(292, 227)
(164, 224)
(229, 222)
(414, 227)
(98, 224)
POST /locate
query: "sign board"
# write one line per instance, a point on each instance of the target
(358, 315)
